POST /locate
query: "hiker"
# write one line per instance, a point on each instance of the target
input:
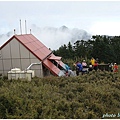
(95, 66)
(69, 72)
(85, 67)
(67, 67)
(110, 67)
(92, 61)
(115, 67)
(84, 64)
(79, 68)
(90, 67)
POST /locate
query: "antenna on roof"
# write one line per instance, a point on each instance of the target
(20, 27)
(30, 31)
(25, 27)
(14, 31)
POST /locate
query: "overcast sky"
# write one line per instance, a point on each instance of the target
(96, 17)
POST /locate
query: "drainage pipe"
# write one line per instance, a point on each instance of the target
(28, 68)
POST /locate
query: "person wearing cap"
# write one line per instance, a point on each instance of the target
(115, 67)
(84, 64)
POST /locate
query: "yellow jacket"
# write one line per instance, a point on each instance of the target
(92, 61)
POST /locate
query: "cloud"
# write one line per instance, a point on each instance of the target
(55, 37)
(52, 37)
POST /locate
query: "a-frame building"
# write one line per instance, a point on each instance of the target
(26, 51)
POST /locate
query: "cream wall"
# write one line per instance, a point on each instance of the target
(15, 55)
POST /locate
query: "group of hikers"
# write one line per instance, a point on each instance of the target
(82, 67)
(114, 67)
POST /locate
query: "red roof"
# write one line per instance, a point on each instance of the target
(34, 45)
(54, 58)
(38, 49)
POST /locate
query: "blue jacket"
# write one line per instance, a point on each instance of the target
(79, 65)
(67, 67)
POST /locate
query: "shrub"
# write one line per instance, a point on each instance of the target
(85, 96)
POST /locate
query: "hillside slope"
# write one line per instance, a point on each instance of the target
(93, 95)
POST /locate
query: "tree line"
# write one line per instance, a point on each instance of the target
(105, 48)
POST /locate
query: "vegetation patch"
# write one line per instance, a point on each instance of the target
(94, 95)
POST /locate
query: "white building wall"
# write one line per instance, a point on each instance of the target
(5, 52)
(24, 53)
(1, 63)
(15, 55)
(14, 48)
(25, 62)
(16, 63)
(7, 65)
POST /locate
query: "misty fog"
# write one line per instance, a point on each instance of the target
(52, 37)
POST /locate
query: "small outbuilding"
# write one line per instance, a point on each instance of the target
(28, 53)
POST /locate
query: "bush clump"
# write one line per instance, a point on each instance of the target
(88, 96)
